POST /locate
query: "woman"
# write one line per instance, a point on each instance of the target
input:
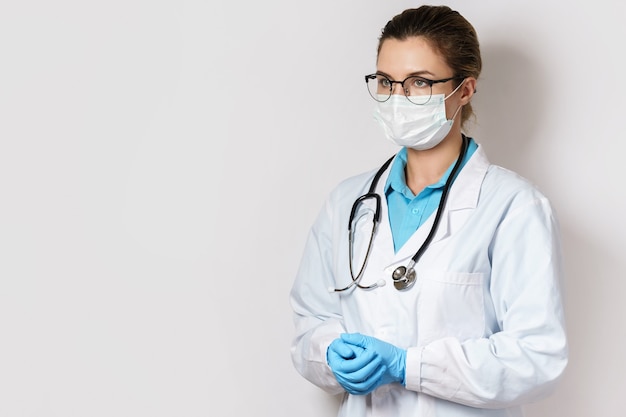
(450, 305)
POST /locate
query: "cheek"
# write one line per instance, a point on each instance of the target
(452, 106)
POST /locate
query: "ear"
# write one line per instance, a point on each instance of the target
(467, 90)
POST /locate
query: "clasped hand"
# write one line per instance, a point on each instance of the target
(363, 363)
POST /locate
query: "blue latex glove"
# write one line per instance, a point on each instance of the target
(357, 371)
(362, 363)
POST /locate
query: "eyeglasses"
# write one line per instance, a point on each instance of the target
(417, 90)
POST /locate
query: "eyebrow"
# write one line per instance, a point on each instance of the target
(412, 74)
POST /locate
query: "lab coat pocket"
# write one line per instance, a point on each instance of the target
(450, 304)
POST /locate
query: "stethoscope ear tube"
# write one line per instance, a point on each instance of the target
(375, 221)
(356, 205)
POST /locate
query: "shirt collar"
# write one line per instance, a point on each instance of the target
(396, 181)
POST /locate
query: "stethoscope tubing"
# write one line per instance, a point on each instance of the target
(442, 202)
(403, 277)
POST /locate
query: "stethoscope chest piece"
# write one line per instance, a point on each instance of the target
(403, 278)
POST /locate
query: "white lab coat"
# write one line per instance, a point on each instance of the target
(483, 325)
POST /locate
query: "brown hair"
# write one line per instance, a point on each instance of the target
(448, 33)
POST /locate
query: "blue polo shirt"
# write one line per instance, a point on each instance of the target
(407, 212)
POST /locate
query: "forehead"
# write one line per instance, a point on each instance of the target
(400, 58)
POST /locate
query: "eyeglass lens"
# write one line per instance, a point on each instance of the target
(416, 89)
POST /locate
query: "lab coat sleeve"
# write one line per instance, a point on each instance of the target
(523, 361)
(317, 314)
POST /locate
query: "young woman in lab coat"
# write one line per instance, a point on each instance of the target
(451, 306)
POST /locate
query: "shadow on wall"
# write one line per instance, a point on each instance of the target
(591, 330)
(507, 112)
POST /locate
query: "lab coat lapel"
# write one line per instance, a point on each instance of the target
(463, 197)
(385, 237)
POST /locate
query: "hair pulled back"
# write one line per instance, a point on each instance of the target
(449, 33)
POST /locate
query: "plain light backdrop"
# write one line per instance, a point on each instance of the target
(162, 161)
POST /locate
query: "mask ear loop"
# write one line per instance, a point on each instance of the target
(456, 112)
(455, 90)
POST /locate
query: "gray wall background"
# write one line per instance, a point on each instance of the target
(162, 161)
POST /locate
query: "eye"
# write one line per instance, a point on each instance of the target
(384, 82)
(417, 82)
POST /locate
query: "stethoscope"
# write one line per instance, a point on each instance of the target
(403, 276)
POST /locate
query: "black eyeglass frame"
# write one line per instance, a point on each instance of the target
(392, 82)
